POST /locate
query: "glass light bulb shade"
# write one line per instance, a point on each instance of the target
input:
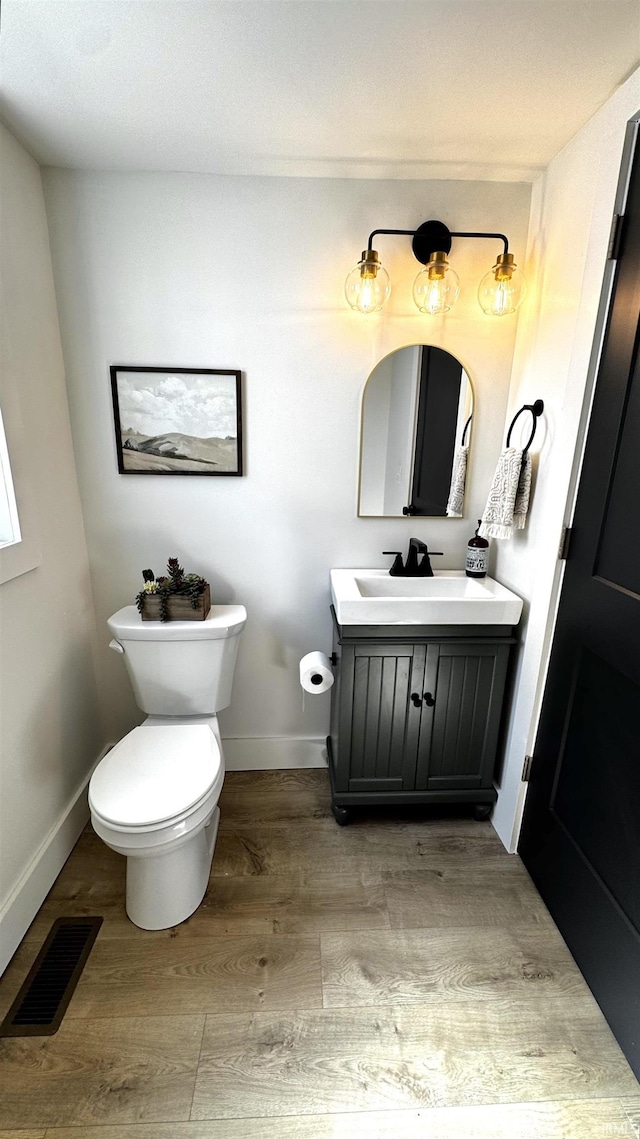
(367, 287)
(501, 290)
(436, 288)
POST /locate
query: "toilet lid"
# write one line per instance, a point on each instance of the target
(154, 774)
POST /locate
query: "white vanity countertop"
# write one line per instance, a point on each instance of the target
(372, 596)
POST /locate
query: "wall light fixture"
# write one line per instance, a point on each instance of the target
(437, 286)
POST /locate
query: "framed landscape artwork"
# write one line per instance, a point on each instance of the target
(177, 421)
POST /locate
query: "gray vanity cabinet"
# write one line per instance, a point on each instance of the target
(458, 740)
(377, 726)
(416, 718)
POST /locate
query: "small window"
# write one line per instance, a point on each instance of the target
(9, 523)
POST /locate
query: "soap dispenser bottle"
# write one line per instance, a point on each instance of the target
(477, 555)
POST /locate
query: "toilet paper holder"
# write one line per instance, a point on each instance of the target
(316, 672)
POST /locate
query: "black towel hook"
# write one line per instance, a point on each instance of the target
(465, 429)
(536, 410)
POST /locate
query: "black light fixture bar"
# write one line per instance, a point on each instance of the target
(434, 237)
(436, 287)
(497, 236)
(397, 232)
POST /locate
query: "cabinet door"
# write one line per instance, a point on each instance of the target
(385, 721)
(463, 694)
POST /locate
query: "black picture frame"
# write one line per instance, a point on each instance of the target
(177, 421)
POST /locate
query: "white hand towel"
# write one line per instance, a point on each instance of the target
(455, 505)
(508, 500)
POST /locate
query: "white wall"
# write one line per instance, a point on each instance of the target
(402, 428)
(571, 217)
(375, 432)
(248, 273)
(51, 729)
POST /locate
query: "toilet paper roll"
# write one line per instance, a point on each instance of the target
(316, 674)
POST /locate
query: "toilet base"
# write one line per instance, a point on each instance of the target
(165, 889)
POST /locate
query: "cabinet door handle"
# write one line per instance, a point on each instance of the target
(429, 700)
(417, 701)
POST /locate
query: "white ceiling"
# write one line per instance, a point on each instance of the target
(338, 88)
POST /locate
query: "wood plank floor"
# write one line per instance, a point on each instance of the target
(399, 977)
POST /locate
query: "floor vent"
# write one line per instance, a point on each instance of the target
(50, 983)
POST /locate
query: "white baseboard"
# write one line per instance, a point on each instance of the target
(268, 753)
(30, 891)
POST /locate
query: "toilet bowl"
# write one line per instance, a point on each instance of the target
(153, 798)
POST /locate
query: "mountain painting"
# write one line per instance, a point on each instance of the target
(177, 421)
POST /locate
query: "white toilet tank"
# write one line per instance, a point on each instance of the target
(180, 668)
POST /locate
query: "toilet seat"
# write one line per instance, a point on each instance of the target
(158, 833)
(156, 776)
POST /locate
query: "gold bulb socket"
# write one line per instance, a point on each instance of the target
(369, 264)
(437, 266)
(504, 267)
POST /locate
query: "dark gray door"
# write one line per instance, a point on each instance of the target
(581, 831)
(435, 431)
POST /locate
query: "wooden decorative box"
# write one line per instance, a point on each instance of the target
(178, 608)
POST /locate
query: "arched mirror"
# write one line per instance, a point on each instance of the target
(417, 414)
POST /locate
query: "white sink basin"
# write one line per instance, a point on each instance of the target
(372, 597)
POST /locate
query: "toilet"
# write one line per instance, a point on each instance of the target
(154, 796)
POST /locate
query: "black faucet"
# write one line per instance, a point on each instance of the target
(413, 567)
